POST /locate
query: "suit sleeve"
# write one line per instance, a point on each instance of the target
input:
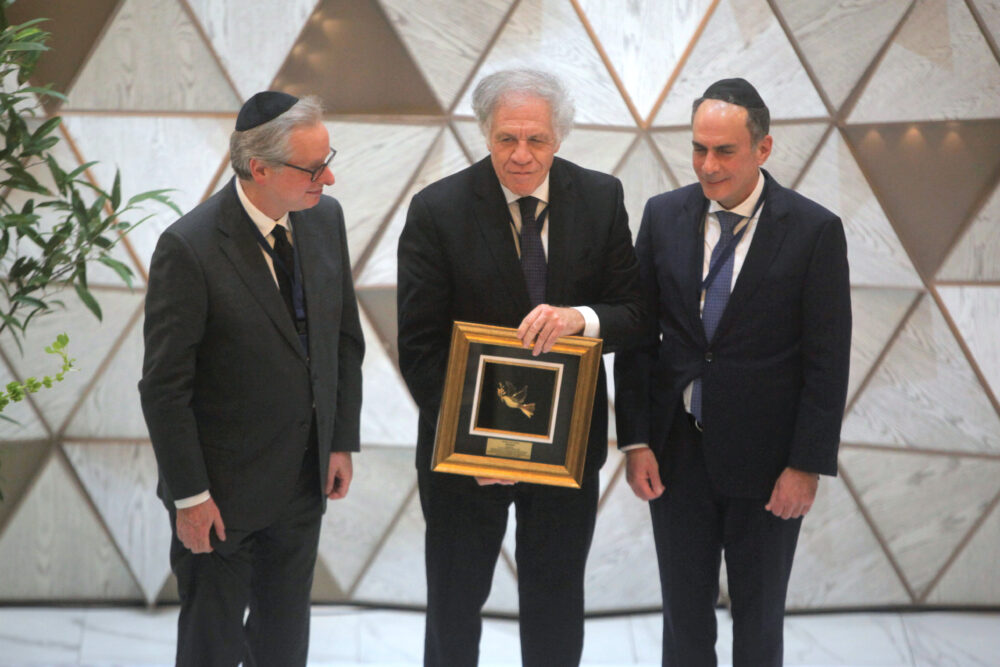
(424, 292)
(176, 307)
(826, 351)
(350, 354)
(635, 363)
(620, 306)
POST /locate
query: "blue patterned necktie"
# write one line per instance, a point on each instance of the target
(532, 252)
(717, 292)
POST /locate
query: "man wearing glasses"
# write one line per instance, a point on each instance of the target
(251, 387)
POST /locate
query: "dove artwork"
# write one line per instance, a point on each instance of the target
(513, 397)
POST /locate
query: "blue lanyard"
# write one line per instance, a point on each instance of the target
(730, 247)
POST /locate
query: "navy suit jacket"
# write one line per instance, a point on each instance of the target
(775, 374)
(458, 261)
(227, 391)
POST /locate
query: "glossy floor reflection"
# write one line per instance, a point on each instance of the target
(349, 636)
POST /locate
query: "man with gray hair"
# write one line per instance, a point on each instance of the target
(519, 239)
(251, 387)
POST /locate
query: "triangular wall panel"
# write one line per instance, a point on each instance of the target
(115, 392)
(121, 480)
(271, 27)
(89, 343)
(838, 561)
(956, 166)
(349, 55)
(20, 462)
(445, 157)
(54, 520)
(373, 165)
(941, 47)
(388, 414)
(395, 574)
(446, 39)
(112, 141)
(874, 252)
(877, 313)
(755, 48)
(976, 313)
(550, 32)
(976, 255)
(642, 177)
(623, 542)
(989, 11)
(645, 41)
(839, 63)
(924, 394)
(75, 28)
(353, 527)
(152, 58)
(895, 488)
(974, 578)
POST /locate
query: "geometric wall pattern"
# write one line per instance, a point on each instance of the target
(886, 111)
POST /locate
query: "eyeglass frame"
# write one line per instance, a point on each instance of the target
(314, 174)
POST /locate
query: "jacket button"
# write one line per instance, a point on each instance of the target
(709, 357)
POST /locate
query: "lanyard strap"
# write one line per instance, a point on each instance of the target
(730, 247)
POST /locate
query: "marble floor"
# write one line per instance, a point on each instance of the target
(349, 636)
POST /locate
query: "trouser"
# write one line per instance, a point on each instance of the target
(269, 571)
(692, 526)
(465, 528)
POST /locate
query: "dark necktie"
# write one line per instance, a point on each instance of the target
(532, 252)
(717, 292)
(284, 273)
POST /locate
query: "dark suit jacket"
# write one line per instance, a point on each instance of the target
(775, 375)
(227, 390)
(458, 261)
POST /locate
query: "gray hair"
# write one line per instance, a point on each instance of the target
(758, 118)
(269, 142)
(497, 88)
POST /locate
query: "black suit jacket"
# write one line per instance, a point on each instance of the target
(227, 391)
(458, 261)
(775, 374)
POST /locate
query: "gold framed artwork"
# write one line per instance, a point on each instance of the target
(509, 415)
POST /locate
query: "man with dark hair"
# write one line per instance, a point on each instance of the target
(731, 407)
(251, 387)
(500, 243)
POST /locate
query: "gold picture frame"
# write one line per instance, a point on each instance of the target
(509, 415)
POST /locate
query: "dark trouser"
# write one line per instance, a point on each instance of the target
(692, 525)
(268, 570)
(465, 528)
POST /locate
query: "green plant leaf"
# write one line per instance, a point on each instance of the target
(123, 271)
(88, 300)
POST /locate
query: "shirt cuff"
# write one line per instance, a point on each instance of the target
(636, 445)
(591, 323)
(191, 501)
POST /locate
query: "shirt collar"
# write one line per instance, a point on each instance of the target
(541, 192)
(745, 207)
(264, 223)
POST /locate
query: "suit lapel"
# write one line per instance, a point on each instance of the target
(493, 219)
(771, 228)
(239, 245)
(562, 213)
(691, 256)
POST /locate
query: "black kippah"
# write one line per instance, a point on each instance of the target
(263, 107)
(735, 91)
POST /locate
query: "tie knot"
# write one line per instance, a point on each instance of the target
(279, 234)
(728, 221)
(528, 206)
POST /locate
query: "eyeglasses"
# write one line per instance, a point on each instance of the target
(314, 174)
